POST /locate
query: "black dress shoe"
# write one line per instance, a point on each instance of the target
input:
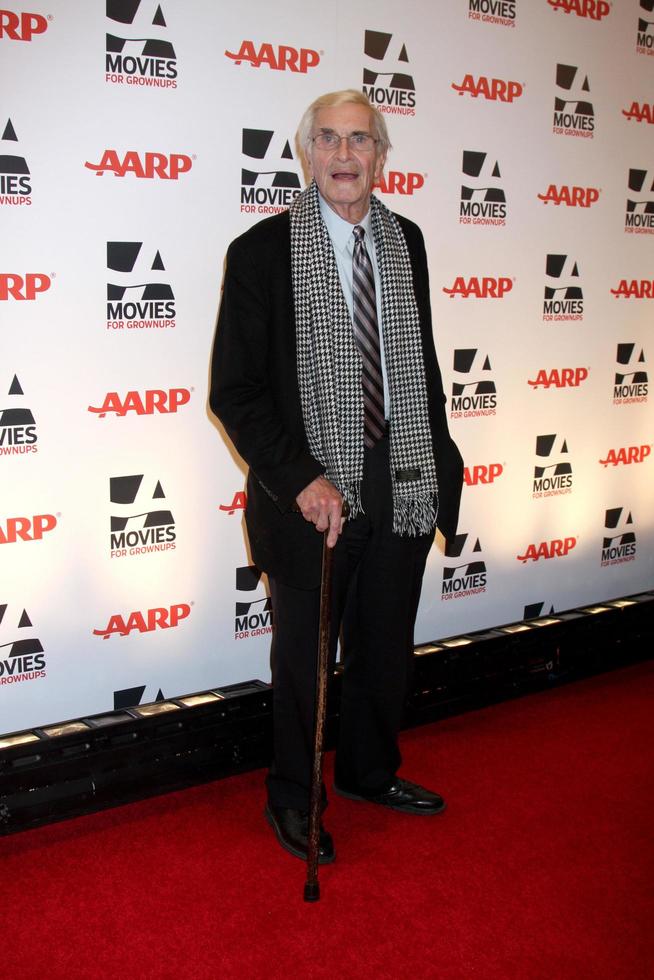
(403, 796)
(292, 831)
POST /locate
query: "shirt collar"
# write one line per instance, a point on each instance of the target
(340, 230)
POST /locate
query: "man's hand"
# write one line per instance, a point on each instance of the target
(321, 503)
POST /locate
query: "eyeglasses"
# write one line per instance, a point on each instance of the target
(363, 142)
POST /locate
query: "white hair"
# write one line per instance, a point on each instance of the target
(344, 97)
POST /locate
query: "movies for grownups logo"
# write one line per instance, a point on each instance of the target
(22, 657)
(564, 298)
(468, 577)
(474, 394)
(139, 525)
(639, 216)
(387, 78)
(573, 111)
(499, 12)
(18, 434)
(139, 294)
(483, 201)
(138, 48)
(645, 30)
(631, 385)
(619, 540)
(253, 612)
(553, 469)
(15, 178)
(270, 175)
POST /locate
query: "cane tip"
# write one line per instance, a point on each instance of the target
(311, 891)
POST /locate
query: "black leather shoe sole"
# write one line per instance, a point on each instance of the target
(296, 850)
(407, 807)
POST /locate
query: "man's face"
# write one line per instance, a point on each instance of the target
(345, 176)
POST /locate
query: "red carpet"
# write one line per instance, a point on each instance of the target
(540, 869)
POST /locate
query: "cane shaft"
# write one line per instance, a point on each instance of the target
(312, 888)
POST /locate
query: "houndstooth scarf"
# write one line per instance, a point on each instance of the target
(329, 365)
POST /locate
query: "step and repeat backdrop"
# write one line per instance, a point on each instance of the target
(137, 139)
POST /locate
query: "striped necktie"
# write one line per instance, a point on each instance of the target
(366, 335)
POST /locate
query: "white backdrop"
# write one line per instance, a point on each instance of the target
(126, 134)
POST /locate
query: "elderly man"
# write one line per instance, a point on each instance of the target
(325, 377)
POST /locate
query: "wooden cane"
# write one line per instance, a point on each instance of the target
(312, 885)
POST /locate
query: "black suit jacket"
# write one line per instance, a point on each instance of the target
(255, 394)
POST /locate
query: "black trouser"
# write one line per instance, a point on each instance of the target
(380, 575)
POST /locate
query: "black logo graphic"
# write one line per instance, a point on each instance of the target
(135, 531)
(137, 59)
(258, 144)
(620, 545)
(574, 84)
(17, 424)
(535, 609)
(641, 182)
(553, 470)
(626, 355)
(22, 657)
(140, 296)
(130, 697)
(253, 616)
(473, 392)
(645, 35)
(376, 46)
(481, 167)
(640, 201)
(15, 180)
(483, 201)
(573, 111)
(386, 78)
(271, 186)
(564, 298)
(468, 576)
(631, 382)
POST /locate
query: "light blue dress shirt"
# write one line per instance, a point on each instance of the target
(342, 238)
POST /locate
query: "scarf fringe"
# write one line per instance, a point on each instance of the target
(352, 497)
(415, 515)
